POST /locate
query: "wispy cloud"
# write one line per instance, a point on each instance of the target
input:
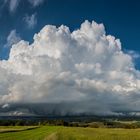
(133, 53)
(12, 38)
(30, 20)
(36, 2)
(13, 4)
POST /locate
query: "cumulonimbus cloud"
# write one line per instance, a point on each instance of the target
(84, 69)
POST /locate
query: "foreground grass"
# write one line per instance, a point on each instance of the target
(70, 133)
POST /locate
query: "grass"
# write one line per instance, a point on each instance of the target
(68, 133)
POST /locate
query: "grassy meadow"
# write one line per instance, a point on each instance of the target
(67, 133)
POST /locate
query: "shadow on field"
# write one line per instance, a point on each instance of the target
(18, 130)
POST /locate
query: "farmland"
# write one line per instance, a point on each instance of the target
(67, 133)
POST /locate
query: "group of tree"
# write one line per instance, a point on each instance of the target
(55, 122)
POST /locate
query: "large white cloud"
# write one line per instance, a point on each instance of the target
(86, 70)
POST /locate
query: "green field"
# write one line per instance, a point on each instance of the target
(67, 133)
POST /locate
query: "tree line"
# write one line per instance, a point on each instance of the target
(102, 124)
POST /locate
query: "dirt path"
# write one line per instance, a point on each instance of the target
(52, 136)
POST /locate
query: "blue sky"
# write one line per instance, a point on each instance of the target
(121, 18)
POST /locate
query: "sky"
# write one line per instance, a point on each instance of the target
(121, 18)
(69, 56)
